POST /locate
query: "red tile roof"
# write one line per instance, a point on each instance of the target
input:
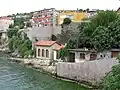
(45, 43)
(59, 47)
(50, 43)
(42, 18)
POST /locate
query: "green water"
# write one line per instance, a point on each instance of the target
(14, 76)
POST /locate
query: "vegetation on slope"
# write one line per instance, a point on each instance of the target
(18, 41)
(101, 33)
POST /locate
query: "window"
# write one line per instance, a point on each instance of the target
(57, 55)
(93, 56)
(43, 53)
(39, 52)
(82, 56)
(52, 14)
(47, 53)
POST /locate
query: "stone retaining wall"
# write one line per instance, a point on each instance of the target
(90, 71)
(37, 63)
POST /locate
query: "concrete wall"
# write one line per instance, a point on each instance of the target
(43, 33)
(90, 71)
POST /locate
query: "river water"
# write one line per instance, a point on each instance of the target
(15, 76)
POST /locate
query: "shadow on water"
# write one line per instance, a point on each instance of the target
(14, 76)
(2, 54)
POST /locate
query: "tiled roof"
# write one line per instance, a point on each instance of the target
(45, 43)
(118, 9)
(50, 43)
(59, 47)
(42, 18)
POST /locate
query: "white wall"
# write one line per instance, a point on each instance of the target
(45, 48)
(90, 71)
(55, 55)
(77, 57)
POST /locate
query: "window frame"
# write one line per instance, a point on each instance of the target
(39, 52)
(47, 53)
(82, 55)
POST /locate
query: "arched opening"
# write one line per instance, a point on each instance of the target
(47, 53)
(39, 52)
(43, 53)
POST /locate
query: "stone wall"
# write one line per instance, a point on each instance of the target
(37, 63)
(89, 71)
(43, 33)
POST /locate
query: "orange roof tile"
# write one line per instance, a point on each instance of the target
(58, 47)
(45, 43)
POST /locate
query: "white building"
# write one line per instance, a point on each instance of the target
(5, 22)
(47, 50)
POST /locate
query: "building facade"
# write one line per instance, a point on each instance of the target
(47, 50)
(4, 25)
(5, 22)
(118, 11)
(46, 17)
(75, 16)
(84, 54)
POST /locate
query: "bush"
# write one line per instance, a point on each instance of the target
(112, 80)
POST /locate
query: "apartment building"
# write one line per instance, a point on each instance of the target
(118, 11)
(45, 17)
(74, 15)
(5, 22)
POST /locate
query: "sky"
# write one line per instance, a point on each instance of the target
(8, 7)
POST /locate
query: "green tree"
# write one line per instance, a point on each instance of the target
(64, 52)
(12, 32)
(19, 22)
(99, 34)
(67, 21)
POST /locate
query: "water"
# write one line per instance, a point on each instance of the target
(14, 76)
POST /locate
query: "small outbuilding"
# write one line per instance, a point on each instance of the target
(115, 52)
(81, 55)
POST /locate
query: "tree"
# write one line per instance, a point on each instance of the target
(53, 38)
(64, 52)
(18, 40)
(19, 22)
(28, 24)
(12, 32)
(101, 33)
(67, 21)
